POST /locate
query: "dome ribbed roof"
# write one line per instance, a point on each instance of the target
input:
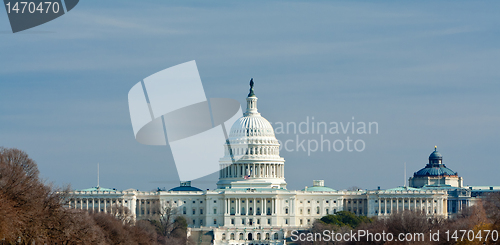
(249, 126)
(435, 171)
(185, 188)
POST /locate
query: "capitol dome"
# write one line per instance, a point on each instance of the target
(251, 152)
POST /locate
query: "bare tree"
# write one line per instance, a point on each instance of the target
(120, 212)
(170, 226)
(32, 212)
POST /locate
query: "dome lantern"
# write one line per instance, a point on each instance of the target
(251, 102)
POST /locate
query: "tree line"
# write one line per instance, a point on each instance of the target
(34, 212)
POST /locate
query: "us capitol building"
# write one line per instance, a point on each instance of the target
(252, 205)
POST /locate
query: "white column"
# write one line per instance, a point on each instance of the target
(378, 206)
(238, 206)
(265, 207)
(385, 206)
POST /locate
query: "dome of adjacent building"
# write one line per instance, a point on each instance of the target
(435, 167)
(435, 171)
(318, 185)
(185, 186)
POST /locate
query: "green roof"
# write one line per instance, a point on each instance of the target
(318, 188)
(98, 189)
(403, 188)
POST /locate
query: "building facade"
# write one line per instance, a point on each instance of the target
(251, 204)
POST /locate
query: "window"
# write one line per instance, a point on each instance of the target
(215, 201)
(326, 201)
(194, 211)
(215, 221)
(308, 211)
(300, 211)
(201, 221)
(308, 221)
(286, 210)
(258, 236)
(201, 201)
(241, 236)
(223, 236)
(258, 221)
(215, 211)
(201, 210)
(194, 201)
(327, 211)
(183, 210)
(300, 221)
(268, 221)
(308, 201)
(267, 236)
(231, 236)
(194, 222)
(276, 236)
(286, 221)
(232, 221)
(242, 221)
(334, 201)
(184, 202)
(317, 210)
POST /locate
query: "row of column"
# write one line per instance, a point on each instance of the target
(438, 206)
(238, 203)
(255, 170)
(266, 150)
(90, 203)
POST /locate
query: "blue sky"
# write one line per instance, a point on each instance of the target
(426, 72)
